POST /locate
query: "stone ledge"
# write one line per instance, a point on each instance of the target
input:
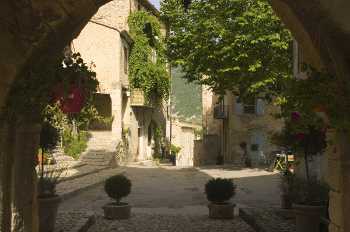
(267, 220)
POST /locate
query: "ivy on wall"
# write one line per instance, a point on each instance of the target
(147, 63)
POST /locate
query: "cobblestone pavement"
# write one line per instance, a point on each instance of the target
(269, 219)
(170, 223)
(172, 199)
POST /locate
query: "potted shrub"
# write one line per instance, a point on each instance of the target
(117, 187)
(219, 191)
(48, 200)
(310, 200)
(286, 185)
(174, 151)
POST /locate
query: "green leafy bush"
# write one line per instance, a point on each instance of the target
(117, 187)
(49, 137)
(74, 145)
(48, 180)
(175, 149)
(220, 190)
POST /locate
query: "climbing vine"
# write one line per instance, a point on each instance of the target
(147, 63)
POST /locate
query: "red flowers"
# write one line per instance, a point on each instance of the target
(295, 116)
(300, 136)
(73, 102)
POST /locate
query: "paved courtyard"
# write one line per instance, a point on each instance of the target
(172, 199)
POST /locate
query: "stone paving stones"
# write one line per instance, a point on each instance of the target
(169, 223)
(268, 219)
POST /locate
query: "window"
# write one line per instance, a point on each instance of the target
(249, 107)
(126, 59)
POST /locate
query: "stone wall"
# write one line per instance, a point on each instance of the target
(240, 127)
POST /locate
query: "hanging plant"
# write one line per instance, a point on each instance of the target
(147, 58)
(76, 87)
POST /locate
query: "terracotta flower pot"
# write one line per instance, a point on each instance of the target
(221, 210)
(308, 217)
(113, 211)
(48, 208)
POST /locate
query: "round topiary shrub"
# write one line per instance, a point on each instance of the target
(117, 187)
(219, 190)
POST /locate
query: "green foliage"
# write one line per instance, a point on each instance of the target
(158, 140)
(73, 144)
(186, 98)
(48, 181)
(147, 60)
(319, 96)
(49, 137)
(117, 187)
(236, 45)
(34, 91)
(175, 149)
(219, 190)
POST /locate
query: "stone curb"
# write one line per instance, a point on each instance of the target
(250, 220)
(85, 224)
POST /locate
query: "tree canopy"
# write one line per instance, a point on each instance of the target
(236, 45)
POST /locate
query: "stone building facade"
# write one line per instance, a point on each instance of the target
(233, 123)
(322, 27)
(105, 42)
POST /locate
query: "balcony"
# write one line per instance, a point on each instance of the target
(220, 112)
(138, 99)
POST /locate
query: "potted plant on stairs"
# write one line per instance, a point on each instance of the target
(310, 200)
(219, 191)
(117, 187)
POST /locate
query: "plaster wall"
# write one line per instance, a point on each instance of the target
(239, 127)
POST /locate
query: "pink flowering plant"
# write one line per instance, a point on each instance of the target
(304, 134)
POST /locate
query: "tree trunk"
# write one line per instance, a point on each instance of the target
(24, 205)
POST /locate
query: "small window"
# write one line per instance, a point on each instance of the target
(249, 107)
(126, 60)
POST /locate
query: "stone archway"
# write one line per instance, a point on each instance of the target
(323, 31)
(31, 31)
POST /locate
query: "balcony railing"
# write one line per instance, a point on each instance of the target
(220, 112)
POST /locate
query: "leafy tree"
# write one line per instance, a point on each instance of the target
(235, 45)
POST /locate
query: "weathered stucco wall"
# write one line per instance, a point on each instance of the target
(239, 127)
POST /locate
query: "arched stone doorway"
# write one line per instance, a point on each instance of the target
(35, 31)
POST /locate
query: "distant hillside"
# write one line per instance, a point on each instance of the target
(186, 98)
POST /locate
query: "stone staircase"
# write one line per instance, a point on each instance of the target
(101, 149)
